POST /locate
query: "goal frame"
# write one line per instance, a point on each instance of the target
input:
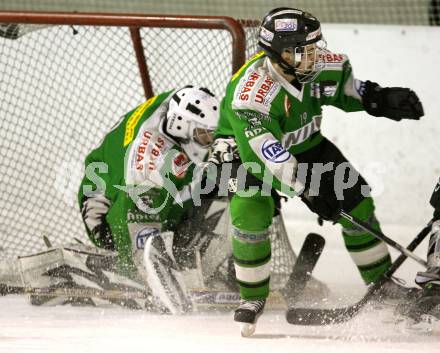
(136, 21)
(237, 49)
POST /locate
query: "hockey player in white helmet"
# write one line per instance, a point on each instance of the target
(136, 193)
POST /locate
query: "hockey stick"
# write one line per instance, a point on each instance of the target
(85, 292)
(379, 235)
(134, 299)
(312, 316)
(308, 256)
(203, 300)
(137, 299)
(76, 292)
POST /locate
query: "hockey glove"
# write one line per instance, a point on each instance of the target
(435, 197)
(395, 103)
(435, 200)
(223, 150)
(94, 211)
(326, 207)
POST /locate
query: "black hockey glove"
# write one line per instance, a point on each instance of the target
(395, 103)
(326, 207)
(435, 200)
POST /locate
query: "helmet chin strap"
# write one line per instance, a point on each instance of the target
(287, 69)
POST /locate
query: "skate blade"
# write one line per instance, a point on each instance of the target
(246, 329)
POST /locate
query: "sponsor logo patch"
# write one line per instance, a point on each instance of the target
(254, 118)
(142, 217)
(180, 165)
(253, 132)
(208, 297)
(266, 34)
(142, 148)
(263, 96)
(143, 235)
(247, 86)
(286, 24)
(274, 152)
(300, 135)
(333, 58)
(256, 91)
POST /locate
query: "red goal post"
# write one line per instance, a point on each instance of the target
(236, 29)
(67, 78)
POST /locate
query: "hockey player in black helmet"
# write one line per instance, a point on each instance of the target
(272, 110)
(297, 33)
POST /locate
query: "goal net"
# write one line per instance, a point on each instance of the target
(67, 79)
(65, 85)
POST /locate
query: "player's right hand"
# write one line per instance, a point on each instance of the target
(327, 208)
(223, 150)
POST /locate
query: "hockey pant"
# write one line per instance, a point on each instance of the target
(252, 216)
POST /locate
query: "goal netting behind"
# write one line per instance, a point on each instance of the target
(401, 12)
(62, 89)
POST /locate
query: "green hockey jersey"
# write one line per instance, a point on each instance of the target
(272, 120)
(137, 152)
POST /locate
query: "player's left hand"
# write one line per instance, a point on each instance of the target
(395, 103)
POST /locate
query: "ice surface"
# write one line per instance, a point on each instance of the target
(25, 328)
(406, 152)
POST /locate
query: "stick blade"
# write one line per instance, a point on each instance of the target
(308, 256)
(320, 317)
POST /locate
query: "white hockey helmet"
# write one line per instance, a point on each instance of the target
(193, 115)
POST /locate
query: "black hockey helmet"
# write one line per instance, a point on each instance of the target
(284, 28)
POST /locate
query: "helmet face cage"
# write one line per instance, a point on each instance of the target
(193, 115)
(204, 136)
(295, 32)
(308, 60)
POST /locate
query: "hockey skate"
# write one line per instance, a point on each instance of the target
(393, 290)
(428, 303)
(247, 315)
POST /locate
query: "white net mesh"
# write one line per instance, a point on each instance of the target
(412, 12)
(63, 88)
